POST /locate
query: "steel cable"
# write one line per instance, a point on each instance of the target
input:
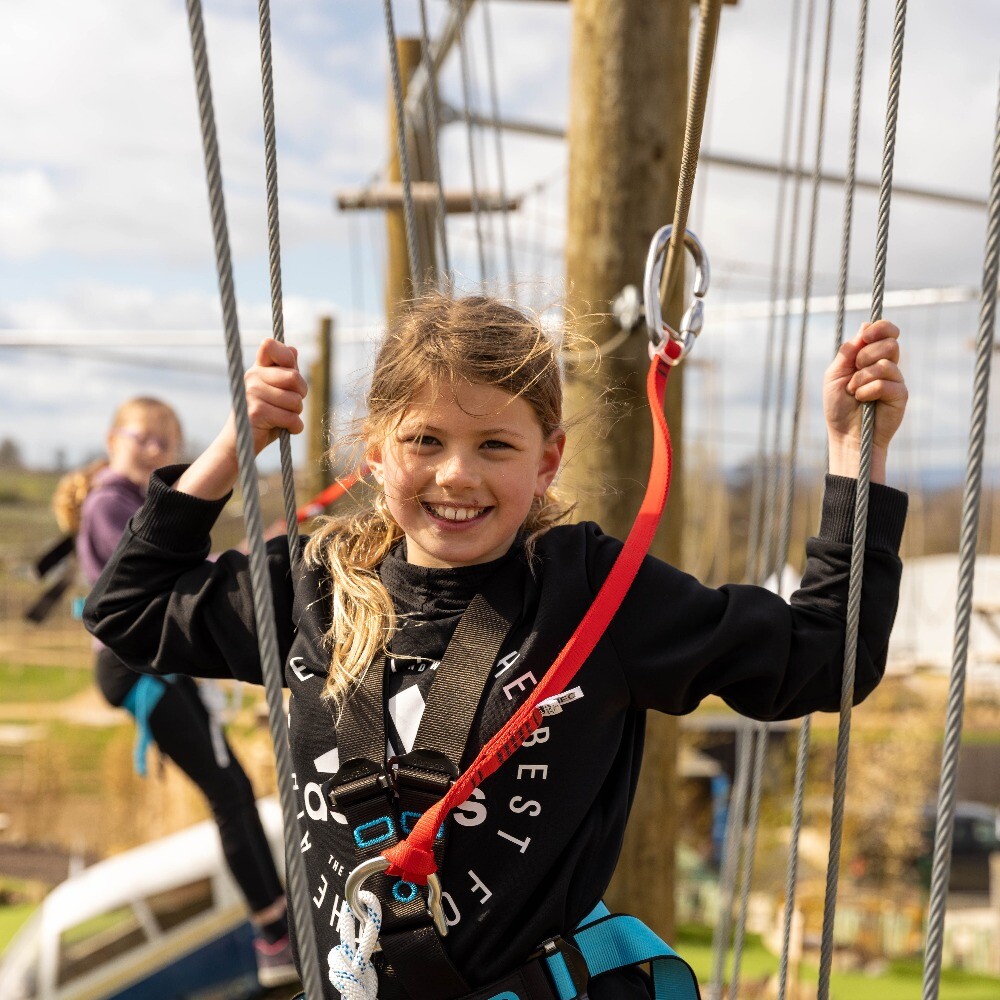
(433, 128)
(860, 517)
(409, 212)
(941, 870)
(260, 580)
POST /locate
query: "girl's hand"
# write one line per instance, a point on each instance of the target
(865, 370)
(275, 393)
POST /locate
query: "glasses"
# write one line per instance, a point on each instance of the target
(144, 440)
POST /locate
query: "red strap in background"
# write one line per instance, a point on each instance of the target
(413, 859)
(334, 491)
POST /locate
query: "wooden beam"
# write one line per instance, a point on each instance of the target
(389, 195)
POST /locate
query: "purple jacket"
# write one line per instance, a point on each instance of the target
(107, 509)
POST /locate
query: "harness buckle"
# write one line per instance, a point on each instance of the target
(422, 770)
(358, 778)
(378, 865)
(660, 332)
(565, 960)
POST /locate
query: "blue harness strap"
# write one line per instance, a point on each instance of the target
(143, 697)
(617, 941)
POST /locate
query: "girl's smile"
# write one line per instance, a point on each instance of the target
(461, 471)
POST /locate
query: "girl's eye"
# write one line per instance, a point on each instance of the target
(495, 445)
(421, 440)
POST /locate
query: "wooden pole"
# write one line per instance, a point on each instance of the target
(320, 402)
(398, 287)
(626, 129)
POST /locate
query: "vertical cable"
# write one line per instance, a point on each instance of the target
(860, 517)
(966, 574)
(263, 600)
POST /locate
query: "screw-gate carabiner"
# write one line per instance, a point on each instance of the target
(694, 317)
(378, 864)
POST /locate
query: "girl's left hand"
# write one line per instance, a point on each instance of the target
(865, 370)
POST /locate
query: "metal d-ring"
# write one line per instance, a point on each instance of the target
(378, 865)
(694, 317)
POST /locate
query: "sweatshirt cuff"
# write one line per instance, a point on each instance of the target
(169, 519)
(886, 514)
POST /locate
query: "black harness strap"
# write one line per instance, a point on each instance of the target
(382, 802)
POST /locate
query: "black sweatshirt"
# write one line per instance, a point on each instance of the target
(533, 849)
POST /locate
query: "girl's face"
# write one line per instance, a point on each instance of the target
(461, 470)
(144, 440)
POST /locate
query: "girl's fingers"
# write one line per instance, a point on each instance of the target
(274, 396)
(883, 370)
(872, 353)
(266, 415)
(273, 353)
(883, 391)
(880, 330)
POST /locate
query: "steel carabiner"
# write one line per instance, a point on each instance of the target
(694, 317)
(378, 864)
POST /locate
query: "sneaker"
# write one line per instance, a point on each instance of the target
(274, 962)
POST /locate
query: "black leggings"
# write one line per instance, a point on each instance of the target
(180, 725)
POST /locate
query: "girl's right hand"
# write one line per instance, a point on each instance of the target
(275, 393)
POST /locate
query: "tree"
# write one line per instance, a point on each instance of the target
(10, 454)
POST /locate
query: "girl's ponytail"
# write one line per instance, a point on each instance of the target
(70, 493)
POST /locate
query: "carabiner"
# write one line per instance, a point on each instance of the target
(694, 317)
(377, 865)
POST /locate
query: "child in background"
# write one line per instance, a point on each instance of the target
(95, 504)
(464, 437)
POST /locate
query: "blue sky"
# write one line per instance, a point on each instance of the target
(104, 223)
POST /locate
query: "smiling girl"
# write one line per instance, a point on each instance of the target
(461, 566)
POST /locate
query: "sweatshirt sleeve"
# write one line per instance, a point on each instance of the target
(163, 607)
(103, 517)
(679, 641)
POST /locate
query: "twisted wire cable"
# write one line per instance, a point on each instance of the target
(433, 128)
(709, 12)
(409, 212)
(805, 730)
(508, 244)
(757, 482)
(761, 730)
(771, 497)
(467, 116)
(274, 257)
(730, 856)
(860, 517)
(941, 869)
(260, 580)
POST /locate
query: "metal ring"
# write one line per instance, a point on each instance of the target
(694, 317)
(380, 864)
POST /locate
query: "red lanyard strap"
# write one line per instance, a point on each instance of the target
(325, 497)
(413, 858)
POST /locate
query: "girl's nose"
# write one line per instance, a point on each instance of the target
(456, 472)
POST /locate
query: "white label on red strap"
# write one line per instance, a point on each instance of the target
(554, 705)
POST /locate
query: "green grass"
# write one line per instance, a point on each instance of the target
(11, 920)
(901, 981)
(22, 683)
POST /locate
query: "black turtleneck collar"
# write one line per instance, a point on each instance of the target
(420, 590)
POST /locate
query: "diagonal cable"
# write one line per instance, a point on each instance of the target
(260, 580)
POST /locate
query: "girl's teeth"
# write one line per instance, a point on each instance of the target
(457, 513)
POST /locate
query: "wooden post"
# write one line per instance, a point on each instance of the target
(627, 111)
(398, 287)
(320, 402)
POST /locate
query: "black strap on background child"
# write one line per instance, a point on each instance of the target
(383, 800)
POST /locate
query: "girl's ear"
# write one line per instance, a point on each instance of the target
(373, 459)
(548, 465)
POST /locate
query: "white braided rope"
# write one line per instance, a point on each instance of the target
(351, 971)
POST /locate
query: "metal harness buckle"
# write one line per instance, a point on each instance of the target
(660, 333)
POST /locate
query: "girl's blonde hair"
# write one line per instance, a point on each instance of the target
(439, 341)
(73, 488)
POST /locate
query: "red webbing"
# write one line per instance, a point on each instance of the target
(334, 491)
(413, 858)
